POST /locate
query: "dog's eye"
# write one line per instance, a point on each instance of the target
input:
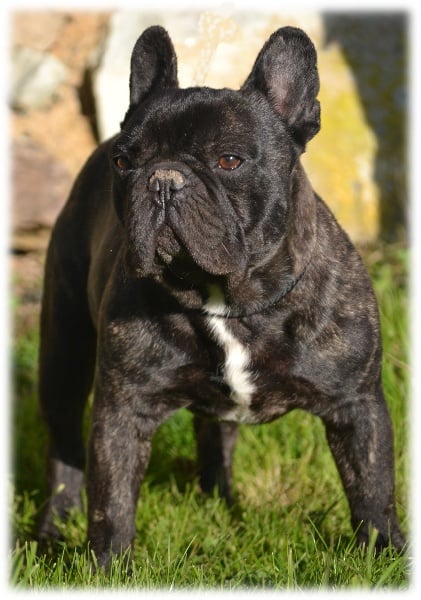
(122, 163)
(229, 162)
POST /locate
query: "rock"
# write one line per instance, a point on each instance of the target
(37, 29)
(75, 42)
(374, 46)
(40, 186)
(356, 162)
(36, 77)
(340, 160)
(111, 79)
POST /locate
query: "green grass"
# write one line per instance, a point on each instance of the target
(290, 527)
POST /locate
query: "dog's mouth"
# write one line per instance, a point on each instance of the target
(189, 255)
(172, 261)
(172, 257)
(182, 272)
(168, 247)
(188, 231)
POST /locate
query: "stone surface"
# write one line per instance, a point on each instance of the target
(67, 127)
(357, 161)
(340, 159)
(40, 186)
(110, 79)
(36, 77)
(36, 29)
(374, 46)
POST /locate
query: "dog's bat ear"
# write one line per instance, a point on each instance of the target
(153, 64)
(286, 72)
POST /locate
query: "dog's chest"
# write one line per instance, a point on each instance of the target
(236, 370)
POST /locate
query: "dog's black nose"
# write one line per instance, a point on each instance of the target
(165, 182)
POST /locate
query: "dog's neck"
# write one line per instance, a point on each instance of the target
(301, 237)
(249, 293)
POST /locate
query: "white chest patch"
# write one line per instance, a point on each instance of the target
(236, 372)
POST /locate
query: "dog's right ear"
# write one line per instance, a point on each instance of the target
(153, 65)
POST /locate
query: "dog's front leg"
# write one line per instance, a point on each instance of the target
(119, 451)
(361, 440)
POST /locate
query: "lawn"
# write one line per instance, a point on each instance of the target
(289, 528)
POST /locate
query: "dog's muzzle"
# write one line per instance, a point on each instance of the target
(165, 182)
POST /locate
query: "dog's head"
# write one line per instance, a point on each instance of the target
(202, 176)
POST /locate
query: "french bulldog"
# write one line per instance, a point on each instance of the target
(194, 266)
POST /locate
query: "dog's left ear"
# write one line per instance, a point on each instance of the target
(286, 72)
(153, 64)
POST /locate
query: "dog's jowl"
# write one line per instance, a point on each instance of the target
(194, 266)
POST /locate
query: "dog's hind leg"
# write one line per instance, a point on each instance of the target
(66, 365)
(215, 447)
